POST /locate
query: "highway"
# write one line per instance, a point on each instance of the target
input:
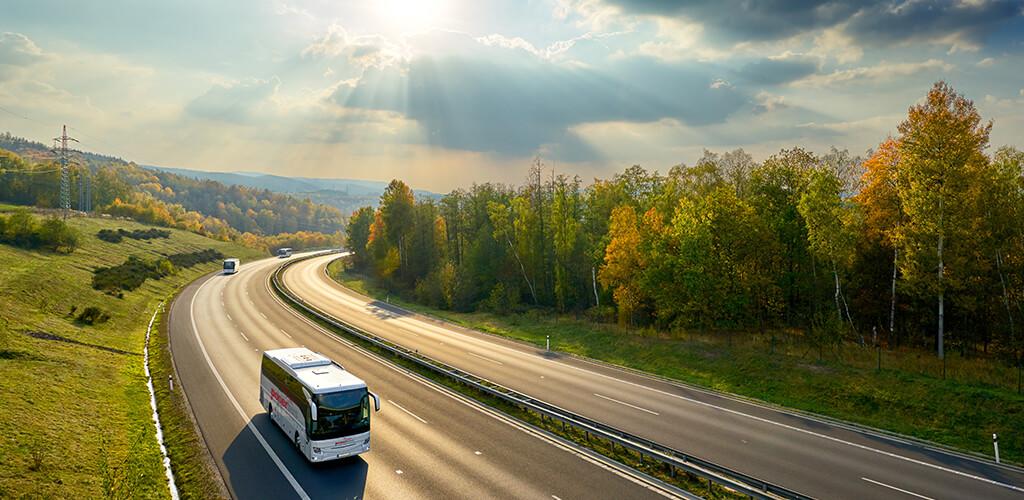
(425, 441)
(812, 456)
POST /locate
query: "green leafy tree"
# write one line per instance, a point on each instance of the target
(942, 157)
(830, 224)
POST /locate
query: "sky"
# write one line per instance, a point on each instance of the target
(442, 94)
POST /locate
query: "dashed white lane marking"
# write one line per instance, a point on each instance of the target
(286, 334)
(413, 415)
(243, 335)
(627, 404)
(264, 315)
(229, 317)
(238, 408)
(409, 332)
(897, 489)
(485, 358)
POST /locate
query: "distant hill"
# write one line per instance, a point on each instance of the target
(345, 194)
(283, 184)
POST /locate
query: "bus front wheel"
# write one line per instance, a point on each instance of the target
(298, 443)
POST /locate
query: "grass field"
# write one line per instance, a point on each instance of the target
(909, 396)
(75, 419)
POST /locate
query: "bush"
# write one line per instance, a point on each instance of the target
(138, 234)
(135, 271)
(58, 236)
(109, 235)
(92, 315)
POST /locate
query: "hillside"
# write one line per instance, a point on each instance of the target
(76, 418)
(256, 218)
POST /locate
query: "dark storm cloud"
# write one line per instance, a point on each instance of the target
(924, 20)
(488, 104)
(870, 21)
(778, 71)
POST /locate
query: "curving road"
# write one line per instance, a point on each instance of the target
(426, 442)
(814, 457)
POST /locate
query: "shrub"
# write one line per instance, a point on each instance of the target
(109, 235)
(92, 315)
(58, 236)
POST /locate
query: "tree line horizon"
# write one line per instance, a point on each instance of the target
(921, 244)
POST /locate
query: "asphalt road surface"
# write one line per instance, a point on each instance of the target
(814, 457)
(425, 441)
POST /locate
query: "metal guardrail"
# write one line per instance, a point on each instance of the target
(709, 471)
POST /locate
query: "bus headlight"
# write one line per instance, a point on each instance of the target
(316, 450)
(366, 442)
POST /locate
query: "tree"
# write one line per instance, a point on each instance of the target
(397, 213)
(829, 221)
(623, 263)
(883, 212)
(942, 147)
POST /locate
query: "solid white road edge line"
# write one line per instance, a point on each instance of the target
(248, 422)
(156, 416)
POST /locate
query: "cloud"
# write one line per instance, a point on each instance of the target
(964, 23)
(875, 74)
(17, 52)
(246, 103)
(360, 51)
(776, 71)
(486, 98)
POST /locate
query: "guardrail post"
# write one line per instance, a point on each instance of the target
(995, 443)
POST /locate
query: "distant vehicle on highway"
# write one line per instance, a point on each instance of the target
(322, 408)
(231, 266)
(284, 252)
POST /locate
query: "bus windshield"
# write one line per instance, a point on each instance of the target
(340, 414)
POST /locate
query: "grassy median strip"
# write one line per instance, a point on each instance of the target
(75, 419)
(908, 395)
(644, 464)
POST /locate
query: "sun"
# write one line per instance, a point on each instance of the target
(412, 15)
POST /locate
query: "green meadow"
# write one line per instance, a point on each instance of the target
(76, 420)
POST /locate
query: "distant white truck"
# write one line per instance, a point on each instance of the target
(284, 252)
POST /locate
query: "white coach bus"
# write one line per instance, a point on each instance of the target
(231, 266)
(322, 408)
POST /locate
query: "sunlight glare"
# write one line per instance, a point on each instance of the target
(413, 15)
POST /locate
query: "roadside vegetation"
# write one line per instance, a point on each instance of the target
(887, 290)
(76, 421)
(907, 396)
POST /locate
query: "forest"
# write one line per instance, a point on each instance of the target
(30, 176)
(921, 244)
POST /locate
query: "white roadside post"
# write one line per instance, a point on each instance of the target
(995, 443)
(548, 344)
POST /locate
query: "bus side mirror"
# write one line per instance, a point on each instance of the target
(376, 402)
